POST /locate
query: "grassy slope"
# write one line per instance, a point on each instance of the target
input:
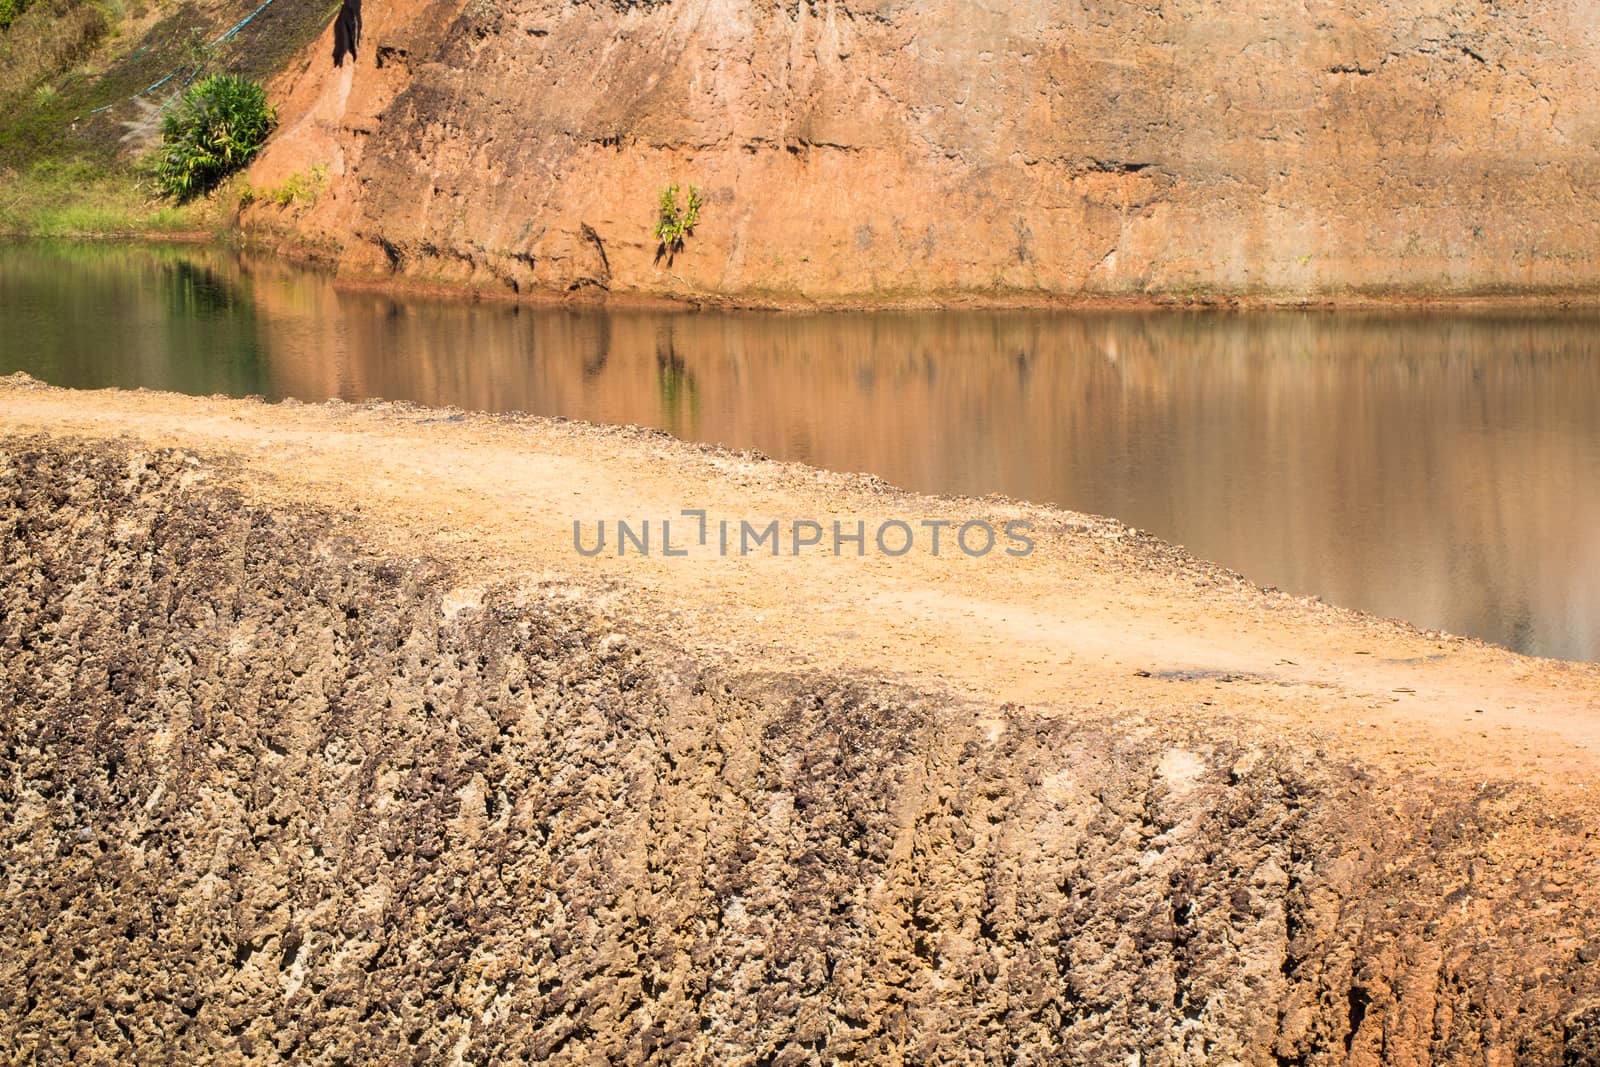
(68, 169)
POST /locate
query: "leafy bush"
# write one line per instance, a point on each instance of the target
(217, 127)
(674, 222)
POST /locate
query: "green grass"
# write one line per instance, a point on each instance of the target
(47, 39)
(301, 189)
(77, 199)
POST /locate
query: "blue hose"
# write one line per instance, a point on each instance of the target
(241, 24)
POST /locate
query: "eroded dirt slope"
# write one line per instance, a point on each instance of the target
(273, 798)
(282, 784)
(943, 150)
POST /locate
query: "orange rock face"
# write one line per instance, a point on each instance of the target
(948, 151)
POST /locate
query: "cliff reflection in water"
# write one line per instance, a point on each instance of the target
(1436, 467)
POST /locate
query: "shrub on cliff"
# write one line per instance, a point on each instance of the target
(218, 127)
(674, 222)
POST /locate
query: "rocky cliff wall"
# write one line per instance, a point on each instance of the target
(267, 796)
(888, 150)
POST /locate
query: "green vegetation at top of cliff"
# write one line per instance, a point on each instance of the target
(84, 87)
(215, 129)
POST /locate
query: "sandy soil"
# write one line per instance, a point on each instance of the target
(1098, 622)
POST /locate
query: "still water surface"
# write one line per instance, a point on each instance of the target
(1440, 468)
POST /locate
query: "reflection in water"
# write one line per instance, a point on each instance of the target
(1439, 468)
(105, 315)
(680, 408)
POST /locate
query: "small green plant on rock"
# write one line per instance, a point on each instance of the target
(216, 128)
(675, 221)
(303, 188)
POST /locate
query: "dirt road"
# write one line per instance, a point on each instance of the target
(1097, 621)
(321, 741)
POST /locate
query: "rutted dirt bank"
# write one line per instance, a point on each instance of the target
(281, 783)
(943, 151)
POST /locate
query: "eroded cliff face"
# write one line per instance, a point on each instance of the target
(862, 151)
(269, 796)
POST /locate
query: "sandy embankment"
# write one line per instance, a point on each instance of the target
(404, 768)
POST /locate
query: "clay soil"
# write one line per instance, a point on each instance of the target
(401, 776)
